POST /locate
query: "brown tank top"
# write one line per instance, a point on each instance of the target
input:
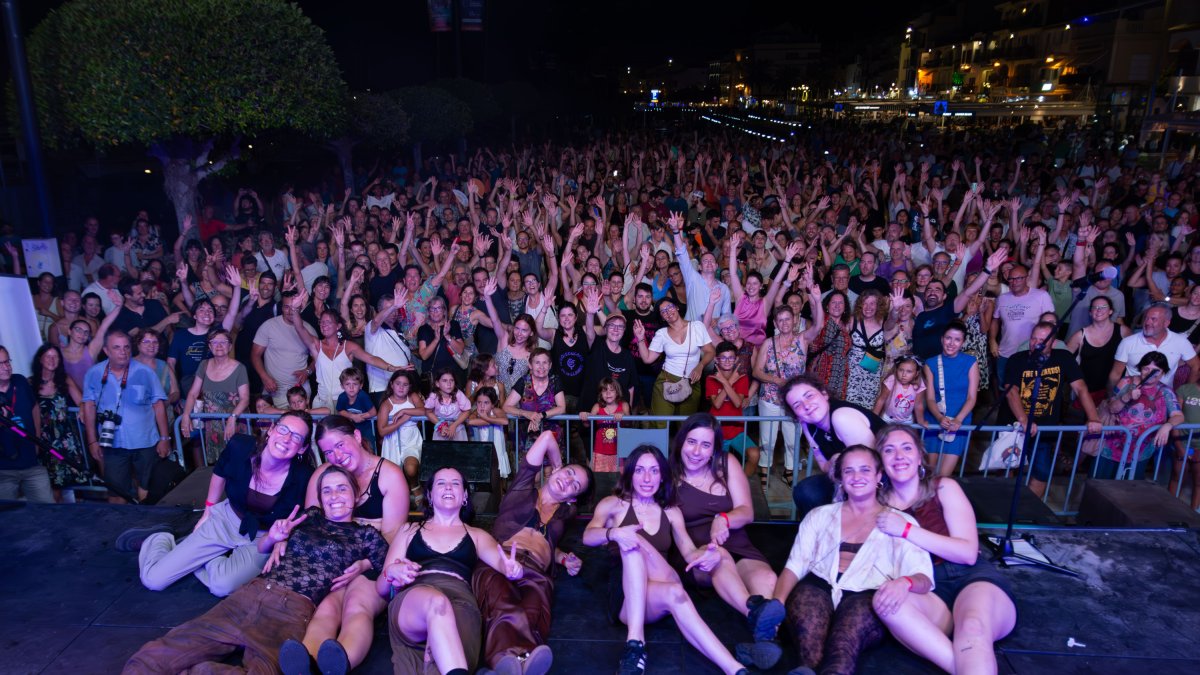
(661, 539)
(929, 516)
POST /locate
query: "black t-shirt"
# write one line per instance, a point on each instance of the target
(928, 327)
(859, 286)
(1058, 372)
(602, 362)
(441, 357)
(569, 360)
(382, 285)
(128, 320)
(652, 321)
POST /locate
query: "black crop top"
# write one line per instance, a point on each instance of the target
(371, 507)
(459, 560)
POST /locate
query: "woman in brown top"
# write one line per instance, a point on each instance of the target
(971, 605)
(639, 522)
(714, 498)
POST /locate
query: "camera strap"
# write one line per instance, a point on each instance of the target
(121, 391)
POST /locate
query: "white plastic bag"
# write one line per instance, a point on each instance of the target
(1004, 452)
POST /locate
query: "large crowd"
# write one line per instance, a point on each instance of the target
(881, 293)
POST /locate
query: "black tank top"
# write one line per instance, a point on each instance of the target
(661, 539)
(1096, 362)
(459, 560)
(372, 507)
(828, 441)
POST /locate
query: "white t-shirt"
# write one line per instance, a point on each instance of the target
(1175, 347)
(681, 358)
(313, 272)
(276, 262)
(389, 346)
(1020, 315)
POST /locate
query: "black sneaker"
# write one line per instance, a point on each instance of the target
(131, 540)
(762, 655)
(294, 658)
(764, 617)
(634, 660)
(332, 659)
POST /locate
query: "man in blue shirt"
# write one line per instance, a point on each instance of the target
(124, 417)
(20, 471)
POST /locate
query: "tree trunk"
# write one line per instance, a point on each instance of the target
(182, 183)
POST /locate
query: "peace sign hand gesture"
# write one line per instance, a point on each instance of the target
(282, 528)
(639, 330)
(512, 569)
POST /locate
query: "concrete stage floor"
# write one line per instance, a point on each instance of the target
(69, 603)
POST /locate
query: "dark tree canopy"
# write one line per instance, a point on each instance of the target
(146, 71)
(435, 114)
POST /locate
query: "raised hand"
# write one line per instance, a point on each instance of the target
(181, 272)
(282, 529)
(996, 259)
(437, 247)
(512, 569)
(639, 330)
(591, 300)
(233, 275)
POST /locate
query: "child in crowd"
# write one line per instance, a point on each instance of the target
(901, 398)
(483, 373)
(447, 407)
(355, 405)
(604, 444)
(400, 428)
(488, 423)
(727, 391)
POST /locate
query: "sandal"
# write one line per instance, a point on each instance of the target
(787, 477)
(764, 478)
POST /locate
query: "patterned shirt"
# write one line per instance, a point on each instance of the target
(320, 550)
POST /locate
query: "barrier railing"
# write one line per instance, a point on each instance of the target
(1053, 439)
(1182, 447)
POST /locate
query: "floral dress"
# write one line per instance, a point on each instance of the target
(785, 364)
(535, 402)
(832, 364)
(468, 331)
(510, 369)
(976, 345)
(1155, 404)
(60, 431)
(863, 386)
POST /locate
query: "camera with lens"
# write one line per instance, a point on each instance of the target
(107, 432)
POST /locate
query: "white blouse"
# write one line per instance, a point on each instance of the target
(681, 358)
(881, 558)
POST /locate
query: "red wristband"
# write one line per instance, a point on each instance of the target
(208, 504)
(904, 534)
(726, 517)
(910, 582)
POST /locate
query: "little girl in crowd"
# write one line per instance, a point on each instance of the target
(488, 423)
(901, 399)
(399, 426)
(482, 373)
(604, 445)
(447, 407)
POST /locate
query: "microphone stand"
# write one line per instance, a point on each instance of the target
(1004, 549)
(78, 466)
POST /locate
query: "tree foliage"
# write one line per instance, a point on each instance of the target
(146, 71)
(377, 119)
(478, 97)
(435, 114)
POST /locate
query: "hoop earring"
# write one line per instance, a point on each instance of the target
(879, 485)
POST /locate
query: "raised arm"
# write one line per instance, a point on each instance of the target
(310, 341)
(991, 266)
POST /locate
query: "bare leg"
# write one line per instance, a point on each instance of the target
(362, 604)
(633, 582)
(727, 582)
(923, 625)
(982, 615)
(671, 597)
(948, 464)
(1038, 487)
(751, 463)
(426, 616)
(757, 576)
(325, 622)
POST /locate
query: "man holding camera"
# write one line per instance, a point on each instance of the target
(124, 418)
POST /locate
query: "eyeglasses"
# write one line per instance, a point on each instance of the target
(727, 357)
(902, 282)
(291, 435)
(1098, 308)
(615, 327)
(149, 342)
(727, 327)
(218, 343)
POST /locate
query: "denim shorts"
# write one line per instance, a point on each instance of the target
(951, 578)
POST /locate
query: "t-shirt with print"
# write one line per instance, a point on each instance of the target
(1020, 314)
(361, 404)
(1059, 370)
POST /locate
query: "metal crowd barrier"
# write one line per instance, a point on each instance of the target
(1183, 442)
(1058, 439)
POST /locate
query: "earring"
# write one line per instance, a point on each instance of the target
(879, 485)
(921, 471)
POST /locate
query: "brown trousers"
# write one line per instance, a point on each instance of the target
(257, 617)
(516, 614)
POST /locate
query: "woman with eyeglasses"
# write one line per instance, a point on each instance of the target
(222, 385)
(85, 344)
(262, 482)
(1095, 346)
(147, 349)
(688, 349)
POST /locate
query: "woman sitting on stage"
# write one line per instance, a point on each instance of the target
(639, 523)
(276, 606)
(841, 564)
(432, 610)
(958, 641)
